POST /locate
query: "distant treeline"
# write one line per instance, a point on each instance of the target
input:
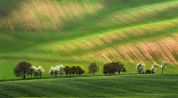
(26, 70)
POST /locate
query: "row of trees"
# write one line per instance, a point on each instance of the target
(140, 68)
(24, 69)
(113, 67)
(72, 71)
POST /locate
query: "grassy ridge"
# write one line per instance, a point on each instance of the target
(153, 86)
(88, 31)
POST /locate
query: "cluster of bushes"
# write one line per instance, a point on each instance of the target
(113, 67)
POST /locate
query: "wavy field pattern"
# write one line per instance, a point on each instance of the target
(78, 32)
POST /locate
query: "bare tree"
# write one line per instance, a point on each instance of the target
(163, 67)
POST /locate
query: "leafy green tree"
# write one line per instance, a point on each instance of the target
(79, 70)
(22, 69)
(111, 68)
(93, 68)
(73, 70)
(67, 70)
(119, 67)
(31, 71)
(106, 68)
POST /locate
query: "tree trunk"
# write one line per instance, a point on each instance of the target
(119, 72)
(24, 77)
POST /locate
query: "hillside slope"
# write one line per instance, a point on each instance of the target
(78, 32)
(153, 86)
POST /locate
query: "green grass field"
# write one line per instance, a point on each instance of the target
(124, 86)
(79, 32)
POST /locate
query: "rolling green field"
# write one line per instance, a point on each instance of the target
(79, 32)
(124, 86)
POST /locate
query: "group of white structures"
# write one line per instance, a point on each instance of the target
(140, 68)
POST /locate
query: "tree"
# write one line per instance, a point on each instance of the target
(119, 67)
(106, 68)
(67, 70)
(39, 70)
(152, 70)
(79, 70)
(93, 68)
(53, 71)
(61, 69)
(163, 67)
(124, 70)
(154, 67)
(73, 70)
(22, 69)
(140, 67)
(31, 71)
(111, 68)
